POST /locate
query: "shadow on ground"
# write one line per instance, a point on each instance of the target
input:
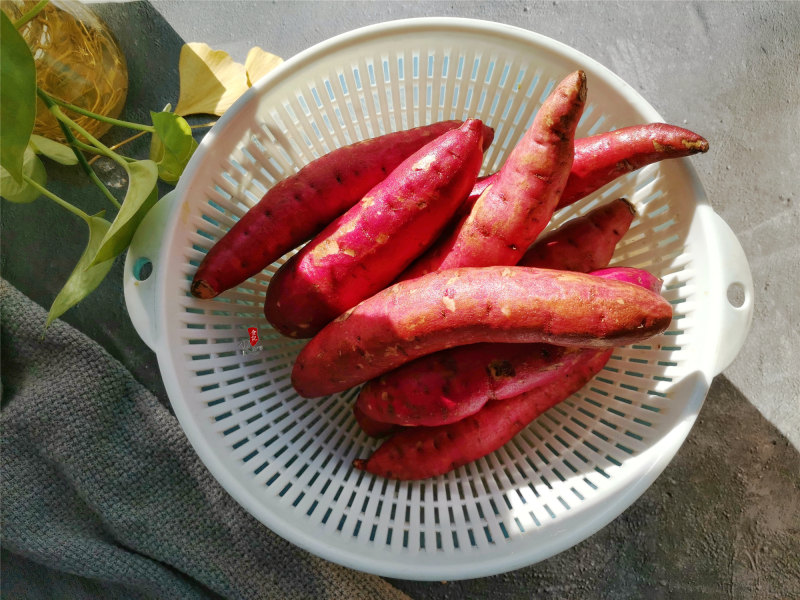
(722, 521)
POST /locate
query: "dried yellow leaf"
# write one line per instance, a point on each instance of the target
(210, 80)
(258, 63)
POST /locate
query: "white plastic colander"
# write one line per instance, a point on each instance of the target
(287, 459)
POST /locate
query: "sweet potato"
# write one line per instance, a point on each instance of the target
(512, 212)
(632, 275)
(372, 427)
(601, 158)
(462, 306)
(365, 249)
(448, 385)
(298, 207)
(584, 243)
(422, 452)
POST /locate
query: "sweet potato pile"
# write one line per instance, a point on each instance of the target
(435, 288)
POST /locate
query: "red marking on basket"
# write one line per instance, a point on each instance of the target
(253, 331)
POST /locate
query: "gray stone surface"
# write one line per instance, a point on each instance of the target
(724, 518)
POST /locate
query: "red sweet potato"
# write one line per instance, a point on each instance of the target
(601, 158)
(448, 385)
(422, 452)
(298, 207)
(365, 249)
(372, 427)
(632, 275)
(511, 213)
(463, 306)
(584, 243)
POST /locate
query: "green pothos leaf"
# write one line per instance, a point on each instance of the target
(17, 97)
(172, 145)
(21, 191)
(85, 277)
(61, 153)
(142, 194)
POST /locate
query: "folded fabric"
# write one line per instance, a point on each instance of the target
(104, 497)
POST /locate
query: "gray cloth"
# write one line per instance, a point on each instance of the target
(103, 496)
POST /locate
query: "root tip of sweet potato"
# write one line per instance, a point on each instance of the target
(202, 289)
(360, 463)
(700, 145)
(582, 79)
(630, 205)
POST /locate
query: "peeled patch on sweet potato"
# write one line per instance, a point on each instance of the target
(365, 249)
(298, 207)
(510, 214)
(471, 305)
(423, 452)
(584, 243)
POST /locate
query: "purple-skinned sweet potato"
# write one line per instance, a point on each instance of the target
(446, 386)
(422, 452)
(639, 277)
(463, 306)
(510, 214)
(365, 249)
(599, 159)
(298, 207)
(372, 427)
(585, 243)
(451, 384)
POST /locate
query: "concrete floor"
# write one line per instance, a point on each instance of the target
(724, 518)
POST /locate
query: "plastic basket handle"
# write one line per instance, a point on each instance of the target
(736, 303)
(144, 253)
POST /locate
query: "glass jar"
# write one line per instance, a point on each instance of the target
(77, 60)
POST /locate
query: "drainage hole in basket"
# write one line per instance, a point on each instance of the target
(142, 269)
(736, 295)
